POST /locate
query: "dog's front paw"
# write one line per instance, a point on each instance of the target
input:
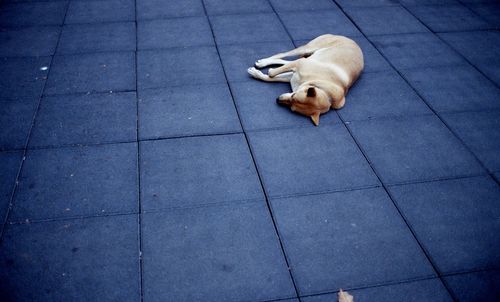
(254, 72)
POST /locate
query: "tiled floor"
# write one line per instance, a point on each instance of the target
(140, 162)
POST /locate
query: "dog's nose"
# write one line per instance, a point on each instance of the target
(277, 100)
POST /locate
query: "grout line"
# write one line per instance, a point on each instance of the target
(138, 177)
(25, 150)
(410, 228)
(285, 257)
(96, 144)
(406, 281)
(61, 218)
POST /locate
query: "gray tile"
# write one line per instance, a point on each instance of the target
(366, 3)
(81, 38)
(23, 76)
(237, 29)
(310, 160)
(300, 5)
(413, 149)
(231, 248)
(32, 14)
(454, 88)
(206, 170)
(448, 18)
(77, 181)
(416, 51)
(94, 72)
(480, 131)
(487, 11)
(96, 11)
(80, 260)
(178, 32)
(179, 66)
(85, 119)
(326, 21)
(480, 286)
(160, 9)
(455, 220)
(187, 110)
(222, 7)
(347, 239)
(16, 117)
(29, 41)
(385, 20)
(10, 163)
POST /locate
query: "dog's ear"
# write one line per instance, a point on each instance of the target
(311, 92)
(315, 118)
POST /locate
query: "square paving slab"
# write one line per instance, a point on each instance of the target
(310, 160)
(331, 245)
(161, 9)
(29, 41)
(85, 259)
(480, 286)
(385, 20)
(186, 172)
(237, 29)
(93, 72)
(300, 27)
(189, 252)
(81, 38)
(178, 32)
(77, 181)
(444, 88)
(443, 18)
(10, 163)
(222, 7)
(85, 119)
(16, 118)
(97, 11)
(413, 149)
(178, 66)
(23, 76)
(32, 14)
(300, 5)
(480, 131)
(416, 50)
(187, 111)
(456, 221)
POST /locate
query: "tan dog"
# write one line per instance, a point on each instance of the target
(320, 79)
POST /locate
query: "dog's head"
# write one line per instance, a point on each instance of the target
(308, 100)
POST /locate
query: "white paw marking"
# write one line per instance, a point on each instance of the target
(261, 63)
(255, 72)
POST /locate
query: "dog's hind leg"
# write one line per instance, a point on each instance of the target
(302, 51)
(273, 72)
(284, 77)
(270, 61)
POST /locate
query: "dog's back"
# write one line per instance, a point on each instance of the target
(337, 59)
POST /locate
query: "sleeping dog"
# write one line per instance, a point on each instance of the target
(320, 78)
